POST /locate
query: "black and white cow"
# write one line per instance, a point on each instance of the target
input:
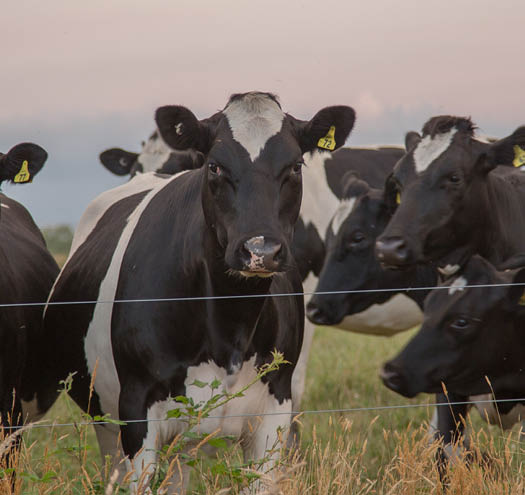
(222, 230)
(471, 340)
(453, 199)
(28, 272)
(322, 180)
(350, 265)
(156, 156)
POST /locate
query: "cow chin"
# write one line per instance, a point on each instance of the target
(248, 274)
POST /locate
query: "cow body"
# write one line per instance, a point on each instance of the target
(221, 230)
(27, 276)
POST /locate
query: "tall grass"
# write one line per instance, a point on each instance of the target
(370, 452)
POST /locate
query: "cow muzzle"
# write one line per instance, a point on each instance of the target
(393, 252)
(261, 257)
(395, 379)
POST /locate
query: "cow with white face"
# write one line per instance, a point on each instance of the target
(221, 230)
(156, 156)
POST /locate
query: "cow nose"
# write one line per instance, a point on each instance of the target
(264, 255)
(393, 377)
(315, 314)
(392, 251)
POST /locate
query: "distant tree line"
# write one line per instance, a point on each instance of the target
(58, 239)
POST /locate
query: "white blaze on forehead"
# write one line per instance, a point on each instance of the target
(253, 120)
(430, 148)
(458, 284)
(345, 208)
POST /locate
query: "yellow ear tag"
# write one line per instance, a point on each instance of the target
(519, 156)
(398, 198)
(23, 175)
(521, 302)
(328, 142)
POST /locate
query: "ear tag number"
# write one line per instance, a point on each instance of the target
(328, 142)
(23, 175)
(521, 302)
(519, 156)
(398, 198)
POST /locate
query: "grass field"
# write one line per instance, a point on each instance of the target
(358, 452)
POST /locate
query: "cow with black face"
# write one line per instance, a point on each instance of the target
(28, 272)
(156, 156)
(221, 230)
(350, 265)
(471, 339)
(453, 200)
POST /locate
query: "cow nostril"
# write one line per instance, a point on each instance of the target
(392, 377)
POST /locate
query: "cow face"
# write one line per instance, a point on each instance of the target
(439, 185)
(468, 334)
(156, 156)
(22, 162)
(350, 262)
(252, 182)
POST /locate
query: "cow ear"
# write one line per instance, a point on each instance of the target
(328, 130)
(508, 151)
(22, 162)
(181, 130)
(182, 160)
(353, 185)
(118, 161)
(412, 139)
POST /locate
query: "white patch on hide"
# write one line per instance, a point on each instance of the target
(253, 120)
(97, 344)
(448, 270)
(458, 284)
(345, 208)
(429, 149)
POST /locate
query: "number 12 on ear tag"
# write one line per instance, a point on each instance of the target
(328, 142)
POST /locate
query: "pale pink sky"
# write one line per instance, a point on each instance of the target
(83, 76)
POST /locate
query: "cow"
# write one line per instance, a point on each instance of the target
(454, 199)
(350, 265)
(156, 156)
(28, 273)
(222, 230)
(322, 178)
(471, 340)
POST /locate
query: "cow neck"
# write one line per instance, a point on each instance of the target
(234, 320)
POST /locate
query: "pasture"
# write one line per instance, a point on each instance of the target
(376, 451)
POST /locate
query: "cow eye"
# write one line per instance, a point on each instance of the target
(460, 324)
(454, 178)
(357, 237)
(297, 166)
(214, 168)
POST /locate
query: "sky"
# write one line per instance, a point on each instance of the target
(80, 77)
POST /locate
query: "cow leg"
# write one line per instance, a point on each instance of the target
(265, 436)
(448, 425)
(108, 441)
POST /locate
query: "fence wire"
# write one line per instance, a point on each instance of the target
(252, 296)
(262, 414)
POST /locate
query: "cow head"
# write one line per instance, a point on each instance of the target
(438, 185)
(468, 334)
(156, 156)
(350, 263)
(22, 162)
(252, 183)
